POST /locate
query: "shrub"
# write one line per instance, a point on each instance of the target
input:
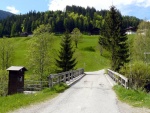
(138, 73)
(3, 83)
(60, 87)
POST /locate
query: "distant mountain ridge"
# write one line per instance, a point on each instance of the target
(4, 14)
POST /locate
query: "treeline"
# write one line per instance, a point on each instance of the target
(86, 19)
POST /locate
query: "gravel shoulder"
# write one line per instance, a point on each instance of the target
(92, 94)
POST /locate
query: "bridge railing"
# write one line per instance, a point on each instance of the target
(120, 79)
(64, 77)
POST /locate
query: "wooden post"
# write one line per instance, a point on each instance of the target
(72, 74)
(68, 75)
(51, 81)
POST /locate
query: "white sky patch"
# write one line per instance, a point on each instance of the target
(98, 4)
(12, 9)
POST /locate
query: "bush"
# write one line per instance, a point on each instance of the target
(60, 87)
(137, 72)
(3, 83)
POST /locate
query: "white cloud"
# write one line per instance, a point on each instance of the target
(142, 3)
(12, 9)
(98, 4)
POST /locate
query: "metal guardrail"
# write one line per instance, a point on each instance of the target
(64, 77)
(120, 79)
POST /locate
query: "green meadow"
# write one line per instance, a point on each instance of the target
(87, 54)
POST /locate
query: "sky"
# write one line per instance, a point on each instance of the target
(137, 8)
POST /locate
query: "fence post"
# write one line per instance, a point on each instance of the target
(50, 81)
(64, 77)
(71, 74)
(59, 78)
(66, 74)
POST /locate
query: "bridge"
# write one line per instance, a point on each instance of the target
(91, 94)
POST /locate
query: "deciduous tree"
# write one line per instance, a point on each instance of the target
(76, 36)
(40, 57)
(141, 46)
(6, 53)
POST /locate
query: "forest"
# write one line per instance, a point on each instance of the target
(85, 19)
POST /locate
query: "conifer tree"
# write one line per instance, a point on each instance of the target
(113, 38)
(65, 59)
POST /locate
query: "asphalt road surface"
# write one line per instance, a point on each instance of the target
(92, 94)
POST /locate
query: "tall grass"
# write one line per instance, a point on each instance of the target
(15, 101)
(135, 98)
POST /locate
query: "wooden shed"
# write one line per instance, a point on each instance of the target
(16, 79)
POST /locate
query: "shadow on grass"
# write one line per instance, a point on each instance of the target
(90, 49)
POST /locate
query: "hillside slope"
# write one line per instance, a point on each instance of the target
(4, 14)
(87, 53)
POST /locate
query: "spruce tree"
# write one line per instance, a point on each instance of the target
(65, 59)
(113, 38)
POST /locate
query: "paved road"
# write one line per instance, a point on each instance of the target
(92, 94)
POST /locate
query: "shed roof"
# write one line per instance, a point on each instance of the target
(16, 68)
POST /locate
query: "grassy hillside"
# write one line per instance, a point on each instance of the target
(87, 53)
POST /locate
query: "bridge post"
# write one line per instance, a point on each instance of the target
(64, 77)
(71, 74)
(50, 80)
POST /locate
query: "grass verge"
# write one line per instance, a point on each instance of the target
(135, 98)
(12, 102)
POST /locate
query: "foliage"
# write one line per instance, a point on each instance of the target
(135, 98)
(113, 38)
(3, 82)
(66, 61)
(141, 43)
(60, 87)
(40, 52)
(6, 53)
(76, 36)
(42, 29)
(85, 19)
(14, 30)
(138, 73)
(130, 21)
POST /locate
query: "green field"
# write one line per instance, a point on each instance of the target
(87, 53)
